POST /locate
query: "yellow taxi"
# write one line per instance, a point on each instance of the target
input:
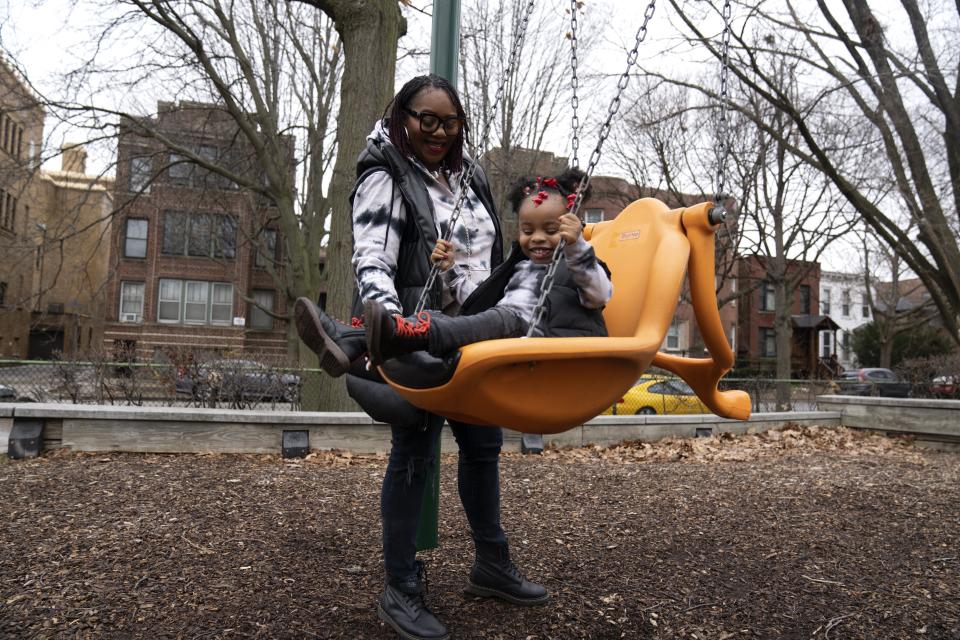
(658, 396)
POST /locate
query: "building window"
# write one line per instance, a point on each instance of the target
(845, 308)
(673, 336)
(135, 245)
(845, 341)
(805, 299)
(3, 293)
(767, 297)
(195, 302)
(221, 303)
(825, 302)
(864, 306)
(181, 170)
(198, 234)
(268, 244)
(593, 215)
(8, 210)
(131, 301)
(826, 344)
(140, 174)
(259, 318)
(168, 307)
(768, 342)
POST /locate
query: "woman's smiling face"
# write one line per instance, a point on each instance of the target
(431, 148)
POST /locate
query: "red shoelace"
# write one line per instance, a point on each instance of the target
(407, 329)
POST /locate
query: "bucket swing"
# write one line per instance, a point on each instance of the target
(549, 385)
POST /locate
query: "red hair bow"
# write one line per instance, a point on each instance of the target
(571, 198)
(540, 197)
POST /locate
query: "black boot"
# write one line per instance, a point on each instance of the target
(337, 344)
(495, 576)
(403, 606)
(389, 336)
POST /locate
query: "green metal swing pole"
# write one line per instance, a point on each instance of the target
(444, 56)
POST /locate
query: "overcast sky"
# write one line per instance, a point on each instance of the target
(50, 36)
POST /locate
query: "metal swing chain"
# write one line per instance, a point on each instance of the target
(723, 147)
(574, 85)
(466, 177)
(612, 110)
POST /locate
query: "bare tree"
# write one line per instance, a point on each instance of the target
(536, 95)
(787, 212)
(893, 91)
(281, 72)
(895, 300)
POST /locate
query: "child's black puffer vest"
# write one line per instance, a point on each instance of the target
(564, 316)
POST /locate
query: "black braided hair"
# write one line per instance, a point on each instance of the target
(567, 183)
(394, 116)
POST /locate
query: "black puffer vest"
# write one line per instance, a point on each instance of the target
(420, 231)
(563, 317)
(418, 239)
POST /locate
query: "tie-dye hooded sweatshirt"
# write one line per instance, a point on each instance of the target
(379, 220)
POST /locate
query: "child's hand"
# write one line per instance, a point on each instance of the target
(443, 254)
(570, 228)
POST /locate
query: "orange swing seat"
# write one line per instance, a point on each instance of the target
(549, 385)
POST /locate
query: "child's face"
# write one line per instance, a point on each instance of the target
(539, 230)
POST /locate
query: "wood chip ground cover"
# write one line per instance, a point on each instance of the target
(804, 533)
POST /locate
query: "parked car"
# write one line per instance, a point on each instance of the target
(664, 396)
(872, 382)
(944, 386)
(7, 394)
(237, 379)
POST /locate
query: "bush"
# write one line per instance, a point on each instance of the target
(921, 341)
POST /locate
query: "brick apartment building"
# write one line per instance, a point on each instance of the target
(21, 137)
(53, 237)
(756, 337)
(191, 254)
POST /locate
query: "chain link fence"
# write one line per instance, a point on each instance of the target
(191, 379)
(196, 379)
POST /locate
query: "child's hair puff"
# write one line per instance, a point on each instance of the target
(565, 184)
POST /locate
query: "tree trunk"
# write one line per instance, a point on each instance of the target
(784, 337)
(369, 31)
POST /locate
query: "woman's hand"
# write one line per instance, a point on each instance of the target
(443, 254)
(570, 228)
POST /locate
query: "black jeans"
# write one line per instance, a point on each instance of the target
(412, 458)
(449, 333)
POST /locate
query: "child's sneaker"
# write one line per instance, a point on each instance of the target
(389, 336)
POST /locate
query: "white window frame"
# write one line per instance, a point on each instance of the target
(825, 308)
(161, 300)
(214, 286)
(123, 291)
(205, 287)
(593, 215)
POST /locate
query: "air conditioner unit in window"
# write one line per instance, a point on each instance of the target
(130, 317)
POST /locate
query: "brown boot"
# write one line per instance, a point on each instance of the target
(336, 343)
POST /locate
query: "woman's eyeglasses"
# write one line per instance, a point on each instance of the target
(430, 122)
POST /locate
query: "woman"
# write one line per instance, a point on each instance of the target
(402, 203)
